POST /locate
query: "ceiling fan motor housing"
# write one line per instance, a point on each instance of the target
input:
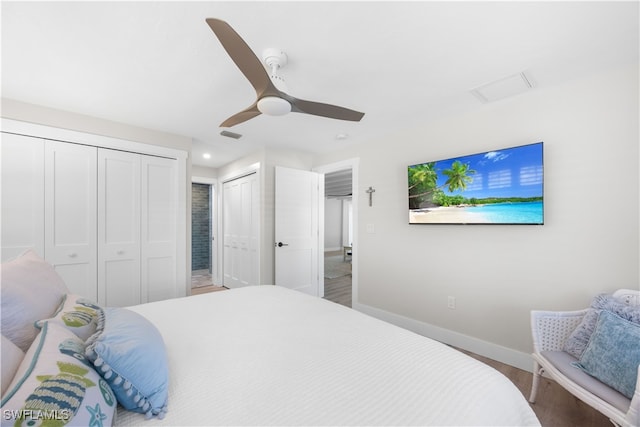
(275, 59)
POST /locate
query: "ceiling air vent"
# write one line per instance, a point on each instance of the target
(509, 86)
(230, 134)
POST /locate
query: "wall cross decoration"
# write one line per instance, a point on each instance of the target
(371, 191)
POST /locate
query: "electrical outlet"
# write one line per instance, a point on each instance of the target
(451, 302)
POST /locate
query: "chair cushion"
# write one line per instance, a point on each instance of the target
(563, 362)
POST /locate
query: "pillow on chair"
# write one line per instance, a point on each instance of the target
(613, 354)
(579, 338)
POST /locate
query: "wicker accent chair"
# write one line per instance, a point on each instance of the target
(550, 330)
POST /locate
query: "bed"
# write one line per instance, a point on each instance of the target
(266, 355)
(271, 356)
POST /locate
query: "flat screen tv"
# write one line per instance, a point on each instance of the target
(495, 187)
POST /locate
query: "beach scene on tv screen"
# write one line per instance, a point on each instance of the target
(495, 187)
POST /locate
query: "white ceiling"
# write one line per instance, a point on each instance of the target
(158, 65)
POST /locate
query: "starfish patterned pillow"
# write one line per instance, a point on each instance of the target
(57, 384)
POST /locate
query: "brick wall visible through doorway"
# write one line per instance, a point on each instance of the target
(200, 226)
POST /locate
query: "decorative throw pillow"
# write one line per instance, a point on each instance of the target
(579, 338)
(77, 314)
(613, 353)
(11, 358)
(56, 383)
(31, 290)
(128, 351)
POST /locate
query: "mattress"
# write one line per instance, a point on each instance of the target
(266, 355)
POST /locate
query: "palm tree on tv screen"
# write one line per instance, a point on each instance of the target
(458, 176)
(423, 180)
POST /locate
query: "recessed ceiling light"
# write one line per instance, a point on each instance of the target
(206, 155)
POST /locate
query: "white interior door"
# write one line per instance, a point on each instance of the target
(159, 212)
(297, 229)
(240, 224)
(71, 215)
(22, 195)
(118, 228)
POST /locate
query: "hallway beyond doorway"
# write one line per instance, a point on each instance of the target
(338, 278)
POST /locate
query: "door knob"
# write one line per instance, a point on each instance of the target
(280, 244)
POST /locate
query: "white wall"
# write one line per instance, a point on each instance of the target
(332, 224)
(16, 110)
(588, 244)
(204, 172)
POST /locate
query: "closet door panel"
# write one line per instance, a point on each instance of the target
(71, 215)
(159, 219)
(22, 195)
(118, 228)
(240, 231)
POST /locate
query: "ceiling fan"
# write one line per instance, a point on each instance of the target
(271, 96)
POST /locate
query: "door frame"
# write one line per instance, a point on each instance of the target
(352, 164)
(213, 223)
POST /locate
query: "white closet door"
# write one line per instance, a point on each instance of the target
(118, 228)
(159, 219)
(71, 215)
(241, 232)
(22, 195)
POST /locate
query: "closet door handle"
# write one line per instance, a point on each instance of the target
(280, 244)
(72, 254)
(120, 251)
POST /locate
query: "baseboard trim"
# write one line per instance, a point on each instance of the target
(493, 351)
(337, 248)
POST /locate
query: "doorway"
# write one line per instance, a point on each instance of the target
(202, 248)
(340, 231)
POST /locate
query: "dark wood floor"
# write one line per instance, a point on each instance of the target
(554, 407)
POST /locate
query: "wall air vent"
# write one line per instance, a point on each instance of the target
(503, 88)
(230, 134)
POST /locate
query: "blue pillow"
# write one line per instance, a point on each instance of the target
(613, 353)
(577, 342)
(128, 351)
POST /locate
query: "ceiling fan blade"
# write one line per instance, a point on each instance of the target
(242, 55)
(324, 110)
(242, 116)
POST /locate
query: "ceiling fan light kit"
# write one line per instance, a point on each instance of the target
(274, 106)
(271, 92)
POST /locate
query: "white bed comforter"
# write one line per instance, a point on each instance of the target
(266, 355)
